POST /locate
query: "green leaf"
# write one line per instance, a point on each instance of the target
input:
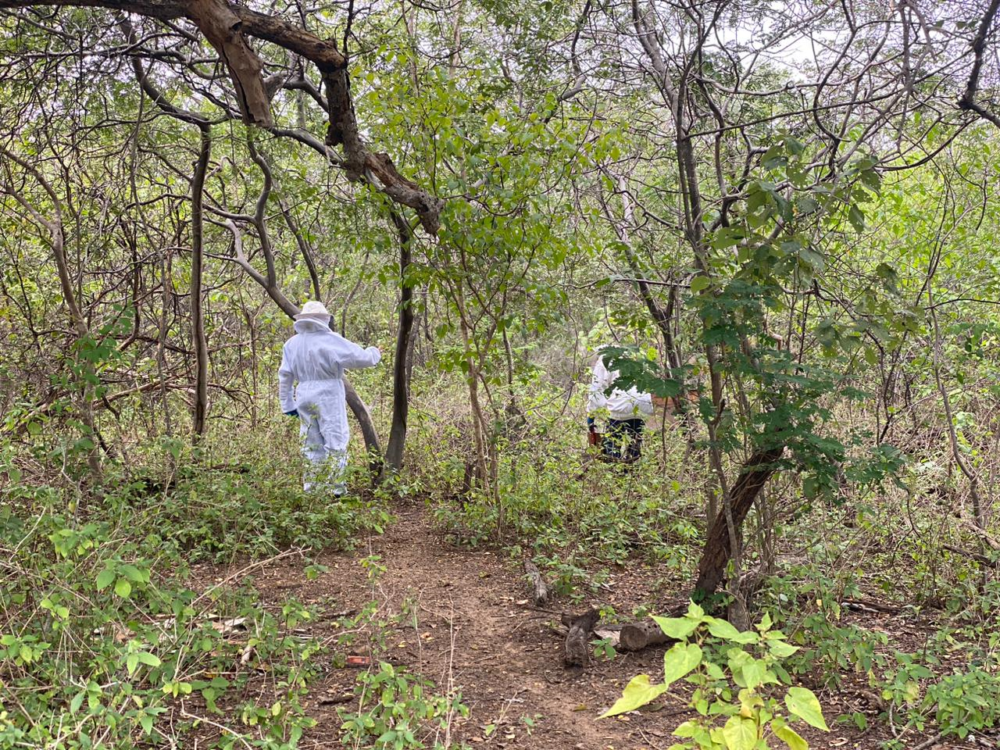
(132, 663)
(781, 649)
(77, 701)
(857, 218)
(150, 660)
(793, 146)
(804, 704)
(753, 673)
(687, 729)
(699, 283)
(132, 573)
(123, 588)
(677, 628)
(637, 693)
(740, 733)
(679, 661)
(725, 630)
(105, 578)
(146, 721)
(790, 737)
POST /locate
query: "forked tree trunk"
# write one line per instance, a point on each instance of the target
(716, 555)
(400, 379)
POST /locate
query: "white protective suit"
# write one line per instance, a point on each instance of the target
(620, 405)
(315, 358)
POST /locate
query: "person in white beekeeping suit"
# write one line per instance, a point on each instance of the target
(625, 411)
(315, 359)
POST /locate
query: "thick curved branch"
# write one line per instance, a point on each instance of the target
(224, 26)
(968, 101)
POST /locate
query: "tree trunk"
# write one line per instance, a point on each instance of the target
(715, 557)
(368, 433)
(400, 379)
(199, 343)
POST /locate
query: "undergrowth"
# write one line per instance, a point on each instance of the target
(106, 640)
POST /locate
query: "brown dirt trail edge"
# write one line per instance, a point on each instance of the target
(462, 618)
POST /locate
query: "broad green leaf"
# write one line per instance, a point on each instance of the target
(687, 729)
(105, 578)
(677, 628)
(781, 649)
(637, 693)
(790, 737)
(698, 283)
(679, 661)
(132, 573)
(132, 663)
(150, 660)
(804, 704)
(740, 733)
(123, 588)
(753, 674)
(724, 630)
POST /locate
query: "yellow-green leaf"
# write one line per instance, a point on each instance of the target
(804, 704)
(725, 630)
(637, 693)
(740, 733)
(781, 649)
(105, 579)
(677, 628)
(790, 737)
(679, 661)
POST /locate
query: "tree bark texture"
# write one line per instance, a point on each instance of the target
(400, 381)
(223, 29)
(716, 555)
(226, 27)
(198, 341)
(577, 649)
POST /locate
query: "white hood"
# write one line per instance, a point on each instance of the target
(311, 326)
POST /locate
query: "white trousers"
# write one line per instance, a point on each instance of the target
(324, 439)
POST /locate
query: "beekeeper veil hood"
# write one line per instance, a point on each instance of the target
(312, 312)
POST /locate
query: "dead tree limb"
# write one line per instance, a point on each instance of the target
(577, 653)
(540, 592)
(639, 635)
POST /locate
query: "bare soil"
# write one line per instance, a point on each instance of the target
(461, 618)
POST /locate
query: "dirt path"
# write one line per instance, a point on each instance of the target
(464, 621)
(460, 617)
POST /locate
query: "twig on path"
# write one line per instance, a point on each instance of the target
(247, 569)
(451, 677)
(929, 743)
(221, 727)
